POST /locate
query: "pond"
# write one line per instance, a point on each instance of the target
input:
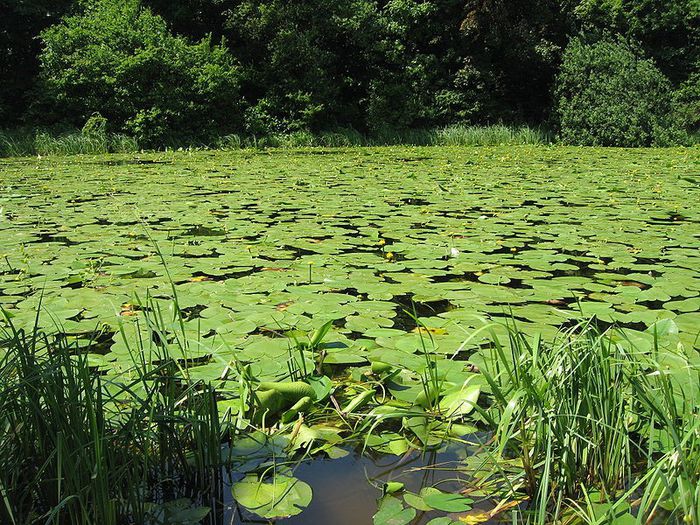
(259, 243)
(329, 296)
(346, 490)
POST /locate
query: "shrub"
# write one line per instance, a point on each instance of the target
(688, 104)
(606, 95)
(120, 59)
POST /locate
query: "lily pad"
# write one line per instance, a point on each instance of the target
(280, 497)
(445, 501)
(392, 512)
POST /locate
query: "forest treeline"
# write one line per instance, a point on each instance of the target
(168, 72)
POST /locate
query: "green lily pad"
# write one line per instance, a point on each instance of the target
(445, 501)
(280, 497)
(392, 512)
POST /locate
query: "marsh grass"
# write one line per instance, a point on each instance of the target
(84, 142)
(495, 135)
(455, 135)
(94, 142)
(16, 144)
(594, 421)
(603, 431)
(567, 404)
(671, 400)
(79, 446)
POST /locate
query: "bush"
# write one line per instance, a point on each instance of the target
(120, 59)
(688, 104)
(606, 95)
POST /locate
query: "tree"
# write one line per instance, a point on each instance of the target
(608, 95)
(307, 63)
(120, 60)
(513, 52)
(22, 22)
(419, 48)
(195, 19)
(668, 30)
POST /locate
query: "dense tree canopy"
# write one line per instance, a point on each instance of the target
(608, 96)
(193, 69)
(668, 30)
(120, 60)
(19, 49)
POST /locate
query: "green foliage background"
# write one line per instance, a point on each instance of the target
(173, 72)
(607, 95)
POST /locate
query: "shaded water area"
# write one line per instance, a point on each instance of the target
(346, 490)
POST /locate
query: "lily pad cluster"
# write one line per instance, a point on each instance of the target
(260, 243)
(356, 280)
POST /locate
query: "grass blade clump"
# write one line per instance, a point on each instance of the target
(495, 135)
(77, 446)
(595, 419)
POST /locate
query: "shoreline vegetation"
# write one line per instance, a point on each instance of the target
(189, 74)
(590, 427)
(89, 142)
(44, 143)
(185, 336)
(405, 262)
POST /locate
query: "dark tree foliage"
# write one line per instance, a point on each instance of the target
(22, 21)
(305, 61)
(396, 64)
(194, 18)
(517, 45)
(315, 65)
(608, 96)
(668, 30)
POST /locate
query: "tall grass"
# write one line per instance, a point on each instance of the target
(594, 420)
(83, 144)
(455, 135)
(16, 144)
(605, 432)
(23, 143)
(671, 398)
(81, 447)
(495, 135)
(45, 143)
(560, 408)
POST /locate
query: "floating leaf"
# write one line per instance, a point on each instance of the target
(391, 487)
(282, 496)
(460, 402)
(392, 512)
(445, 501)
